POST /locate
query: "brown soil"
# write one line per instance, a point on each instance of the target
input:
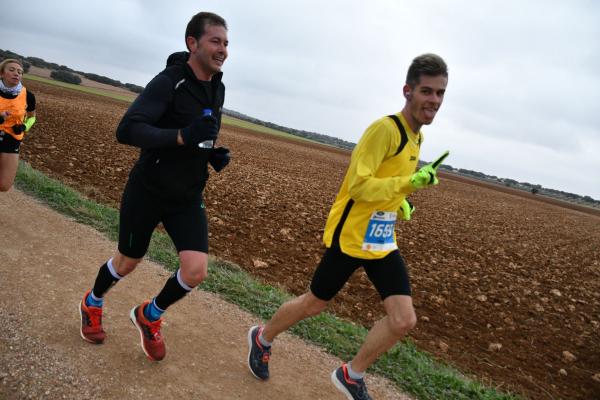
(487, 267)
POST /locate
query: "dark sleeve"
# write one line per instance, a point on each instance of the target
(30, 102)
(221, 103)
(137, 128)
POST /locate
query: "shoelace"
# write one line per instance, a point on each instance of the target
(264, 353)
(363, 394)
(266, 356)
(154, 330)
(95, 316)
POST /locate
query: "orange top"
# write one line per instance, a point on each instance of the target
(17, 108)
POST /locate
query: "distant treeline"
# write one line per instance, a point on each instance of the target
(317, 137)
(66, 74)
(526, 186)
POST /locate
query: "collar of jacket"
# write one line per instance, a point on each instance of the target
(215, 80)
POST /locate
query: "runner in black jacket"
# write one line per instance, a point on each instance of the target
(175, 122)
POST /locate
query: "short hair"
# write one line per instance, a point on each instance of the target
(9, 61)
(428, 64)
(197, 25)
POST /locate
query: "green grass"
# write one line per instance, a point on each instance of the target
(414, 372)
(85, 89)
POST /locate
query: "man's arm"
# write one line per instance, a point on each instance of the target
(366, 159)
(137, 126)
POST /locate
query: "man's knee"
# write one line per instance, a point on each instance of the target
(401, 324)
(196, 276)
(123, 265)
(5, 184)
(193, 267)
(313, 305)
(401, 314)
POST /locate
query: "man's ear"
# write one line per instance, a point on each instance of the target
(192, 43)
(407, 92)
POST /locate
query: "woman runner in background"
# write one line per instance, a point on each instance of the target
(17, 115)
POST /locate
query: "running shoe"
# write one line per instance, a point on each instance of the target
(91, 322)
(151, 339)
(354, 389)
(258, 355)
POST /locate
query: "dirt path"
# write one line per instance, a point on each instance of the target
(46, 263)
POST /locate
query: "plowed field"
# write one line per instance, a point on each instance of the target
(507, 287)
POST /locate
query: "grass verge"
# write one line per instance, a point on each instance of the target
(414, 372)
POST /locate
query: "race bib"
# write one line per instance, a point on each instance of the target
(380, 232)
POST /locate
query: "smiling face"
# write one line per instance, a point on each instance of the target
(11, 74)
(208, 53)
(424, 100)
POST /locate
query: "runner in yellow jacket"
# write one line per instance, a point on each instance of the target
(361, 220)
(360, 229)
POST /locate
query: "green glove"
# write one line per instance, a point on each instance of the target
(406, 209)
(427, 175)
(29, 121)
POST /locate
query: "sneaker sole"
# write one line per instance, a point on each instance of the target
(340, 386)
(250, 351)
(141, 332)
(81, 327)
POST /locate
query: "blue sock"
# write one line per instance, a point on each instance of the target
(93, 301)
(152, 312)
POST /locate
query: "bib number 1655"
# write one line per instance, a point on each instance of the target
(380, 232)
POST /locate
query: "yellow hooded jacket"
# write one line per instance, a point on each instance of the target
(362, 219)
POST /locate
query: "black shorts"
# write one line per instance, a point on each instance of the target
(389, 274)
(9, 144)
(141, 211)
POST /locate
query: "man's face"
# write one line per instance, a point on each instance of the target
(425, 99)
(12, 74)
(210, 51)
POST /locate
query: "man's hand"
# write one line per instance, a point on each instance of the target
(201, 129)
(18, 128)
(219, 158)
(406, 210)
(427, 175)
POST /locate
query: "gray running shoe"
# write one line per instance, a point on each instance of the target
(258, 355)
(353, 389)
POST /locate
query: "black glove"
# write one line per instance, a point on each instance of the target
(18, 128)
(219, 158)
(201, 129)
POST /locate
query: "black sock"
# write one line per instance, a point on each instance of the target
(105, 280)
(172, 292)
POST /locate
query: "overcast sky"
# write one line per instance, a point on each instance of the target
(523, 94)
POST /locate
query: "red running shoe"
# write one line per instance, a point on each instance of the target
(151, 339)
(91, 322)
